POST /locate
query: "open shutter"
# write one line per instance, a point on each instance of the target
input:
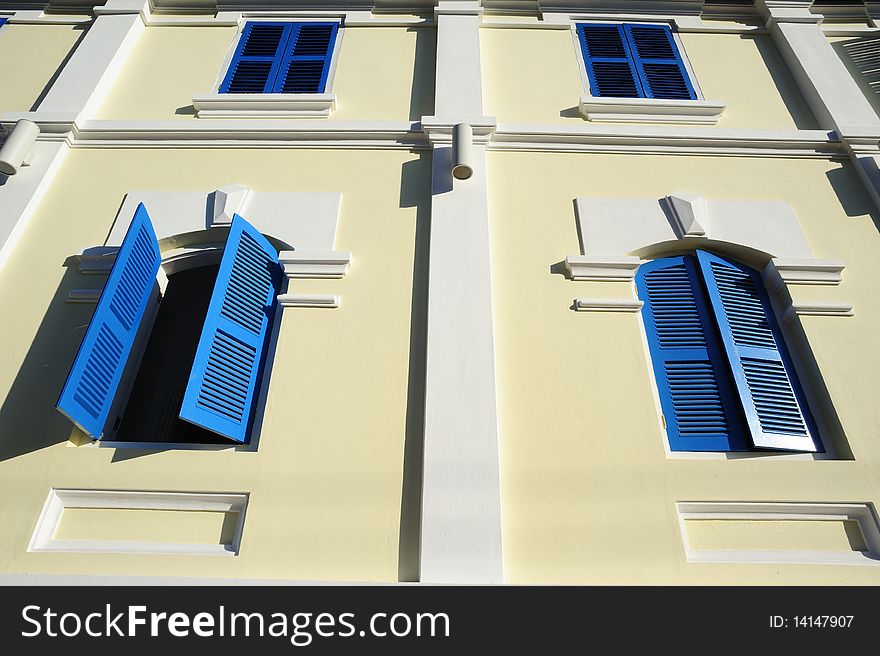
(306, 62)
(609, 62)
(223, 383)
(659, 64)
(695, 393)
(257, 59)
(774, 406)
(93, 382)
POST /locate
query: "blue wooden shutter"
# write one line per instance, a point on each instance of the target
(223, 383)
(608, 60)
(306, 62)
(2, 20)
(257, 59)
(94, 378)
(658, 62)
(695, 394)
(774, 406)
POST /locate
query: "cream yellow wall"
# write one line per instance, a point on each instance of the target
(385, 73)
(533, 76)
(166, 68)
(588, 490)
(31, 55)
(861, 55)
(325, 482)
(375, 74)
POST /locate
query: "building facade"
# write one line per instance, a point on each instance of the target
(257, 330)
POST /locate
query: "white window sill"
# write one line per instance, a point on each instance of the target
(264, 105)
(651, 110)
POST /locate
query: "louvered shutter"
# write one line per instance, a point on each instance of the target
(257, 59)
(92, 388)
(306, 62)
(695, 393)
(658, 62)
(223, 383)
(2, 20)
(609, 63)
(774, 407)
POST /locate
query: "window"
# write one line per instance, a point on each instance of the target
(634, 61)
(281, 58)
(723, 373)
(218, 320)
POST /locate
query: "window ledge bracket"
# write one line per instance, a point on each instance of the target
(264, 105)
(651, 110)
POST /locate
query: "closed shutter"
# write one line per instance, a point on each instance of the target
(93, 383)
(765, 380)
(695, 393)
(306, 62)
(658, 62)
(608, 60)
(223, 383)
(257, 59)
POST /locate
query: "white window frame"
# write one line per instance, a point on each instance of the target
(643, 110)
(270, 105)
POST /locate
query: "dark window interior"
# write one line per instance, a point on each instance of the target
(152, 412)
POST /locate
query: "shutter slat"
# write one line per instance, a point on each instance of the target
(659, 65)
(695, 393)
(92, 386)
(223, 383)
(609, 63)
(254, 66)
(775, 410)
(306, 65)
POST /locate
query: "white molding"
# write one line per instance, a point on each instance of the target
(295, 220)
(59, 499)
(559, 19)
(862, 513)
(40, 17)
(461, 537)
(308, 300)
(651, 110)
(438, 129)
(819, 309)
(314, 264)
(264, 105)
(633, 226)
(601, 267)
(84, 295)
(228, 201)
(94, 66)
(20, 194)
(667, 140)
(802, 271)
(607, 305)
(689, 211)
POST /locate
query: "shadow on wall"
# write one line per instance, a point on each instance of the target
(415, 188)
(861, 55)
(421, 99)
(850, 191)
(788, 90)
(78, 28)
(28, 418)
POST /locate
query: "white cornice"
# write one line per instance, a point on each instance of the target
(601, 267)
(312, 264)
(607, 305)
(666, 140)
(311, 133)
(264, 105)
(651, 110)
(308, 300)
